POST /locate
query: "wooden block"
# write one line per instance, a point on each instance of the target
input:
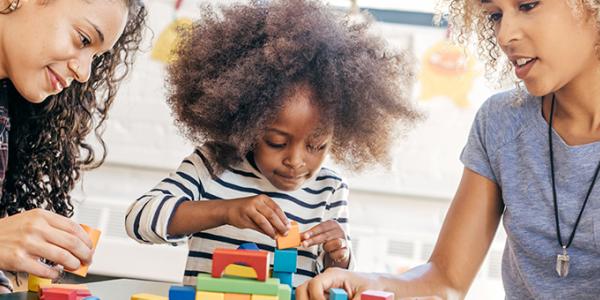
(239, 271)
(376, 295)
(94, 235)
(202, 295)
(230, 296)
(258, 260)
(338, 294)
(144, 296)
(177, 292)
(248, 246)
(285, 292)
(34, 282)
(292, 240)
(285, 260)
(65, 286)
(284, 277)
(264, 297)
(91, 298)
(237, 285)
(54, 293)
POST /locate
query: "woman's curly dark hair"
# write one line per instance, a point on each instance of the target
(234, 64)
(47, 147)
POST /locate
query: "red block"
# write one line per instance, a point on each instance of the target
(258, 260)
(63, 294)
(376, 295)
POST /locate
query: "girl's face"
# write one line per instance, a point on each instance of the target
(293, 148)
(46, 44)
(548, 43)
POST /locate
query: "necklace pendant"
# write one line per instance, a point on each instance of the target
(562, 263)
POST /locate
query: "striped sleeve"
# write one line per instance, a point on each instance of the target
(5, 282)
(148, 217)
(337, 209)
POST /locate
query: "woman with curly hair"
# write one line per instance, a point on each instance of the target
(531, 160)
(267, 90)
(60, 65)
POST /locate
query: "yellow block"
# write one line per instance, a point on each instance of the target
(264, 297)
(145, 296)
(240, 271)
(201, 295)
(34, 282)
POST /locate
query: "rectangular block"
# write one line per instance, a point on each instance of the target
(285, 292)
(338, 294)
(237, 285)
(284, 278)
(144, 296)
(292, 240)
(34, 283)
(177, 292)
(285, 260)
(376, 295)
(202, 295)
(229, 296)
(263, 297)
(94, 235)
(258, 260)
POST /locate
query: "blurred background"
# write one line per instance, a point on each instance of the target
(396, 214)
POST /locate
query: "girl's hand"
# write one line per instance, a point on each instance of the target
(258, 212)
(332, 236)
(353, 283)
(27, 237)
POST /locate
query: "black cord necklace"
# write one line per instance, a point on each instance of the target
(563, 260)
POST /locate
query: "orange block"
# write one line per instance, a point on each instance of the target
(94, 235)
(292, 240)
(258, 260)
(238, 297)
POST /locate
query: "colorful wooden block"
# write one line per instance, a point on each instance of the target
(285, 292)
(284, 277)
(264, 297)
(91, 298)
(292, 240)
(144, 296)
(248, 246)
(239, 271)
(65, 286)
(177, 292)
(237, 285)
(51, 293)
(258, 260)
(230, 296)
(376, 295)
(94, 235)
(202, 295)
(34, 283)
(338, 294)
(285, 260)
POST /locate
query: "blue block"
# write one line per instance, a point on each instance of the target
(284, 277)
(285, 260)
(91, 298)
(337, 294)
(248, 246)
(177, 292)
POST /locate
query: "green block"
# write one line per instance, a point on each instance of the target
(285, 292)
(237, 285)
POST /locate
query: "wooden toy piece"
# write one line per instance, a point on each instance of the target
(144, 296)
(177, 292)
(91, 298)
(237, 285)
(65, 286)
(285, 292)
(230, 296)
(258, 260)
(376, 295)
(239, 271)
(94, 235)
(292, 240)
(285, 260)
(284, 277)
(34, 282)
(63, 293)
(337, 294)
(202, 295)
(248, 246)
(264, 297)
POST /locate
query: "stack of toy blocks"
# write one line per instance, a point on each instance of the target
(286, 255)
(49, 291)
(340, 294)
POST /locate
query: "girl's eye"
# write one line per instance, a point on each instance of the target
(85, 41)
(274, 145)
(528, 6)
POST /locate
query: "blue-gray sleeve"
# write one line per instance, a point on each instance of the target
(4, 281)
(476, 153)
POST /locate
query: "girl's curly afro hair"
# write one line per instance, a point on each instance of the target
(234, 64)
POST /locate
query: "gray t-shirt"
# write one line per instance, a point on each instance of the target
(508, 144)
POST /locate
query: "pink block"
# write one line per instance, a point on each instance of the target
(376, 295)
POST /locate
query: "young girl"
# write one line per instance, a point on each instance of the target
(531, 158)
(60, 65)
(267, 90)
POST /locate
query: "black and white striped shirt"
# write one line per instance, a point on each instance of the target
(323, 197)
